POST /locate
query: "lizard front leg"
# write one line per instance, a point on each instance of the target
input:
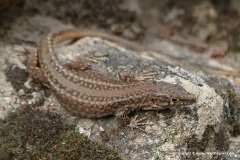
(122, 116)
(137, 76)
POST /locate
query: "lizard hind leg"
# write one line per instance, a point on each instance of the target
(82, 63)
(77, 65)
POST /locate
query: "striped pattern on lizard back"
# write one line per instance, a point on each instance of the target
(93, 95)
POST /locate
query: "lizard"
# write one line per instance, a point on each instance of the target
(95, 95)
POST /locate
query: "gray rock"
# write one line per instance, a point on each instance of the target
(182, 132)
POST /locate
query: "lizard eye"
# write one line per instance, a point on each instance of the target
(174, 99)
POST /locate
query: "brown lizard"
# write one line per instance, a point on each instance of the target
(94, 95)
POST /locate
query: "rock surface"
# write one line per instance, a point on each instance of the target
(184, 132)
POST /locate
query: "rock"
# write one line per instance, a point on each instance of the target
(182, 132)
(186, 131)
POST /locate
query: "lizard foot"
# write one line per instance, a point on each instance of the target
(135, 123)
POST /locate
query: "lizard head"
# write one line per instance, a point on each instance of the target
(170, 95)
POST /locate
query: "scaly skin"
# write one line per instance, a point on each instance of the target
(93, 95)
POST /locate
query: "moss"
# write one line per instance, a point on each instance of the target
(33, 134)
(234, 102)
